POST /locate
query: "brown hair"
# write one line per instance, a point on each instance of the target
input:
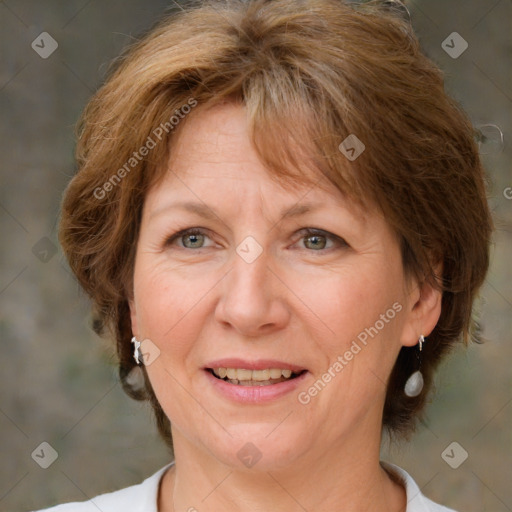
(306, 70)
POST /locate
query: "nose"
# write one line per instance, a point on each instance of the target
(253, 298)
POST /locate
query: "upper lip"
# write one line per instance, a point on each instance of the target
(259, 364)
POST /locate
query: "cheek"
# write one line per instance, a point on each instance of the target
(350, 302)
(164, 302)
(168, 309)
(174, 302)
(361, 312)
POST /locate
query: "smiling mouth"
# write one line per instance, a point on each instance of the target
(243, 377)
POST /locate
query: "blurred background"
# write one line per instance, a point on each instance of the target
(59, 384)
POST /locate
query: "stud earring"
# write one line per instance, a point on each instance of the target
(136, 353)
(414, 385)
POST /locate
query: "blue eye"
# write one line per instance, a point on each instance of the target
(319, 239)
(195, 235)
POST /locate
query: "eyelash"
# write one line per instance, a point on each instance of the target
(307, 232)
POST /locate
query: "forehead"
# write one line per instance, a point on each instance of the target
(213, 152)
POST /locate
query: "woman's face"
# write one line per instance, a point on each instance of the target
(252, 289)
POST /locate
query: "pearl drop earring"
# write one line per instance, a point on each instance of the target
(414, 385)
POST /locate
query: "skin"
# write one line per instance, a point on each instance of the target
(303, 300)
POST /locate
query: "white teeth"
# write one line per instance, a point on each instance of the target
(241, 374)
(275, 374)
(259, 375)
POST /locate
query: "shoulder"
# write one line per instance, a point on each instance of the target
(416, 501)
(139, 497)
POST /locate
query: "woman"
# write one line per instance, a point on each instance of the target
(282, 219)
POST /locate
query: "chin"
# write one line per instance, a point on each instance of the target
(257, 447)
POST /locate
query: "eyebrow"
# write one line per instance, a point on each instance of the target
(207, 212)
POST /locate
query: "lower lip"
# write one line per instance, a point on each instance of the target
(254, 394)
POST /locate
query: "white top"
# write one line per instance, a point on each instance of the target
(143, 497)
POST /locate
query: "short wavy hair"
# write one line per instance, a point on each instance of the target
(309, 73)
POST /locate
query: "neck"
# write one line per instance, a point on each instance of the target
(346, 477)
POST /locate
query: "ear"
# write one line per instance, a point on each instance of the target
(424, 310)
